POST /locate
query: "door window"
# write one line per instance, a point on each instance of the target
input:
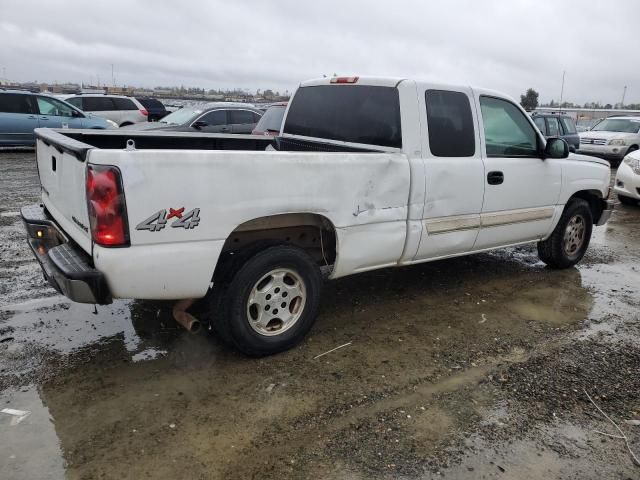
(554, 127)
(98, 104)
(568, 126)
(507, 131)
(451, 132)
(15, 103)
(241, 117)
(215, 117)
(539, 121)
(50, 106)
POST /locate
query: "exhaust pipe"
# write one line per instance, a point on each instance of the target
(180, 314)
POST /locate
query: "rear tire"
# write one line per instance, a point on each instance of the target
(627, 200)
(570, 239)
(271, 302)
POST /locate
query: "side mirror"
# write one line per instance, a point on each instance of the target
(199, 124)
(556, 148)
(76, 114)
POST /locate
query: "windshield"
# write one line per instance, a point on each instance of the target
(622, 125)
(272, 119)
(181, 116)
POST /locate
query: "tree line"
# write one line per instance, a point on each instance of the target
(529, 102)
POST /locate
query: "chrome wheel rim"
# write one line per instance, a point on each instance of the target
(276, 302)
(574, 235)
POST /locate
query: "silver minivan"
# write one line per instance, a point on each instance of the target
(117, 108)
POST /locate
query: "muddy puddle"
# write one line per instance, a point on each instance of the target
(467, 368)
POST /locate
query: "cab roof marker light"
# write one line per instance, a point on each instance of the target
(344, 79)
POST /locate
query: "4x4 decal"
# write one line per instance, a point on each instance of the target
(158, 220)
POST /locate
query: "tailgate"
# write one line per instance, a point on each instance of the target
(62, 169)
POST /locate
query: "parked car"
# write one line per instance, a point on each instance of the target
(271, 121)
(627, 184)
(154, 107)
(208, 118)
(612, 139)
(369, 172)
(563, 126)
(583, 125)
(21, 112)
(117, 108)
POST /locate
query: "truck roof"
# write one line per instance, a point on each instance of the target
(393, 82)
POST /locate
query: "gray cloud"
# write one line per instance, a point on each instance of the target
(507, 46)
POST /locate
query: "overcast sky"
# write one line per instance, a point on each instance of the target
(506, 45)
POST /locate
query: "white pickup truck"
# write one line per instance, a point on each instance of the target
(366, 173)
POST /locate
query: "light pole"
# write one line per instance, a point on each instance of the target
(562, 90)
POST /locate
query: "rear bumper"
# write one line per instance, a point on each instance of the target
(608, 206)
(65, 265)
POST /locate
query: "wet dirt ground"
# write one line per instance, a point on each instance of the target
(470, 368)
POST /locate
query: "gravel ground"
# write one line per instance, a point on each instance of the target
(469, 368)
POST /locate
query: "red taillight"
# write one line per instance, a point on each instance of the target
(344, 79)
(107, 209)
(144, 112)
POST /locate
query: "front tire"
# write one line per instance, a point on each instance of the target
(570, 239)
(271, 302)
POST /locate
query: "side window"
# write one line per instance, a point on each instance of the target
(15, 103)
(554, 127)
(216, 117)
(241, 116)
(507, 131)
(568, 125)
(75, 101)
(124, 103)
(451, 132)
(98, 104)
(51, 106)
(539, 121)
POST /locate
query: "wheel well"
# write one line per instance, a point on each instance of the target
(313, 233)
(594, 198)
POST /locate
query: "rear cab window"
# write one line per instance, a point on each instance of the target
(450, 124)
(363, 114)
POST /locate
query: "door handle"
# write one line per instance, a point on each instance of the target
(31, 117)
(495, 178)
(44, 118)
(224, 129)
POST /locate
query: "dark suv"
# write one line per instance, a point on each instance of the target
(155, 108)
(555, 125)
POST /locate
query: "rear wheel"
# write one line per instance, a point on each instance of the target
(271, 302)
(570, 239)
